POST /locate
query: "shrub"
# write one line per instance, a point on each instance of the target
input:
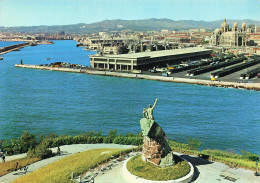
(40, 151)
(20, 145)
(119, 140)
(128, 140)
(250, 156)
(90, 133)
(42, 137)
(99, 133)
(193, 143)
(28, 141)
(108, 140)
(79, 139)
(112, 133)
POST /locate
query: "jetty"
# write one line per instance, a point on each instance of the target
(240, 85)
(14, 47)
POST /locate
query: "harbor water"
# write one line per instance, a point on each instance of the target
(44, 102)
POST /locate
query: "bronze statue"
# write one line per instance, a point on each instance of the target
(155, 147)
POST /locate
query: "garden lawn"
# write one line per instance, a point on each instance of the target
(149, 171)
(61, 170)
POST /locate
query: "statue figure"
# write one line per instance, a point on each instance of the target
(145, 113)
(155, 147)
(150, 110)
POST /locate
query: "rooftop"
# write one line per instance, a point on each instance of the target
(154, 54)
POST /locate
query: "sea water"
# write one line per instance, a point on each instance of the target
(44, 102)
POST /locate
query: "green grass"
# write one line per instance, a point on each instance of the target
(149, 171)
(9, 166)
(60, 171)
(228, 158)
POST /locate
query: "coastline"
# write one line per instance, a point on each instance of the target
(225, 84)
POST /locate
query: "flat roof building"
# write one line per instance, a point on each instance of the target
(145, 60)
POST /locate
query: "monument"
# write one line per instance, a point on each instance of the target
(155, 147)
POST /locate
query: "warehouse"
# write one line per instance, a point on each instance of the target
(146, 60)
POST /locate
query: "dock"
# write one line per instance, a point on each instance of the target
(239, 85)
(14, 47)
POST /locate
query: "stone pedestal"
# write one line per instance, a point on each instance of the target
(152, 151)
(155, 147)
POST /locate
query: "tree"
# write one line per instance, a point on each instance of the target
(193, 143)
(28, 141)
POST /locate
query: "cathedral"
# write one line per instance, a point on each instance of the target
(229, 37)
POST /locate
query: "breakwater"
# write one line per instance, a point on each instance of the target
(250, 86)
(10, 48)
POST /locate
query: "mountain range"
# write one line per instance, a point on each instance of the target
(118, 25)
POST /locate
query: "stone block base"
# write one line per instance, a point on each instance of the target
(152, 151)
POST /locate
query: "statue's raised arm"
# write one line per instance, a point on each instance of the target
(155, 102)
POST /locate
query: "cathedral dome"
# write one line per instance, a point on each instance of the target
(235, 27)
(243, 27)
(224, 26)
(216, 31)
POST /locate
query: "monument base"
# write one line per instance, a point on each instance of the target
(153, 152)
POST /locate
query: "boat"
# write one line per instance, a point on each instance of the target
(47, 59)
(1, 58)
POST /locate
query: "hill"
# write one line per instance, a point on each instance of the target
(118, 25)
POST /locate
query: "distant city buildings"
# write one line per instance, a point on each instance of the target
(243, 39)
(34, 37)
(142, 41)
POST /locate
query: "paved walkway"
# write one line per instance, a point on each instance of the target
(66, 150)
(18, 156)
(205, 171)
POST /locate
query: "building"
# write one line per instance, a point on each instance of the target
(193, 30)
(254, 39)
(203, 30)
(110, 50)
(257, 29)
(146, 60)
(229, 37)
(165, 31)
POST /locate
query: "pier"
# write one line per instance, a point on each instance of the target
(10, 48)
(242, 85)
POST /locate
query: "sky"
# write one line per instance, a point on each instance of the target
(64, 12)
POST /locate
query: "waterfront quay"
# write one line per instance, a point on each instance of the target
(149, 76)
(14, 47)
